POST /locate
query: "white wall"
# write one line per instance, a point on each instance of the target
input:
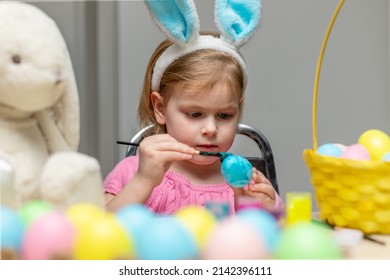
(111, 42)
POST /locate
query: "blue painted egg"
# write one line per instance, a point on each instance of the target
(236, 170)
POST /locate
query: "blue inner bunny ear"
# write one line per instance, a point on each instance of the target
(177, 19)
(237, 19)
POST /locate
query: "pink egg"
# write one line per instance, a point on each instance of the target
(234, 239)
(357, 152)
(49, 237)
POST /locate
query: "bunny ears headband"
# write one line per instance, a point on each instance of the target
(236, 20)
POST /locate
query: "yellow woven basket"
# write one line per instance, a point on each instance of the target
(349, 193)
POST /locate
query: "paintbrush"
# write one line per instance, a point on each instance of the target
(202, 153)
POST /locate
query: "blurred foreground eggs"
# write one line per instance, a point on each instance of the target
(80, 214)
(198, 220)
(135, 218)
(305, 241)
(103, 239)
(233, 238)
(264, 223)
(33, 209)
(166, 238)
(50, 236)
(11, 232)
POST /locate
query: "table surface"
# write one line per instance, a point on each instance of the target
(367, 249)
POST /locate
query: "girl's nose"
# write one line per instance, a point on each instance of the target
(209, 128)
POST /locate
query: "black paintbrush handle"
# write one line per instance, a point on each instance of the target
(214, 154)
(127, 143)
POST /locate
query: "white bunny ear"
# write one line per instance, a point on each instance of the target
(177, 19)
(67, 110)
(237, 19)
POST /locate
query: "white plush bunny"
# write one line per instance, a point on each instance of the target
(39, 114)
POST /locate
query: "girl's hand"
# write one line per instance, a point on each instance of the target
(260, 187)
(156, 154)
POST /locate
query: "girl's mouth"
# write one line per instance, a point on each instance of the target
(207, 148)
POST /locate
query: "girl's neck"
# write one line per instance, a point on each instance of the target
(199, 174)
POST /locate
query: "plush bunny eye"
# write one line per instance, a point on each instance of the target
(16, 59)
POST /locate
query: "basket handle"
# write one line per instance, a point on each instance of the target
(318, 72)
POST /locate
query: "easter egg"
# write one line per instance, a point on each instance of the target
(341, 146)
(234, 239)
(103, 239)
(386, 157)
(376, 142)
(11, 230)
(356, 152)
(264, 223)
(167, 239)
(237, 171)
(51, 236)
(135, 218)
(306, 240)
(198, 220)
(82, 213)
(329, 149)
(33, 209)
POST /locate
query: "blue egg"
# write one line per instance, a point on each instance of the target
(236, 170)
(167, 239)
(135, 218)
(11, 229)
(264, 223)
(386, 157)
(330, 150)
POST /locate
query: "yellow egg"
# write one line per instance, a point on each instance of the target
(80, 214)
(103, 239)
(199, 221)
(376, 142)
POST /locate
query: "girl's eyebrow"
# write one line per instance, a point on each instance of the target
(200, 107)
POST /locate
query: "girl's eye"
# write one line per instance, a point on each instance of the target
(194, 114)
(224, 116)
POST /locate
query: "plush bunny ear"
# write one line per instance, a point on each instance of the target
(177, 19)
(237, 19)
(66, 112)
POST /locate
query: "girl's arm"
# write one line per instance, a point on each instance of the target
(156, 153)
(135, 191)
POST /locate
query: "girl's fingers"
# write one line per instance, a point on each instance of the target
(259, 177)
(261, 184)
(164, 142)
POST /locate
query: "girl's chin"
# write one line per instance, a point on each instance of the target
(203, 160)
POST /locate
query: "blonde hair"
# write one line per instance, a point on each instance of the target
(199, 70)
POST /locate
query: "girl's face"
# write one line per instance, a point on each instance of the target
(204, 120)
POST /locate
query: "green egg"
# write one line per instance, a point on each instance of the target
(305, 241)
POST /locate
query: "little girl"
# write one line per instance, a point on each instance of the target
(194, 98)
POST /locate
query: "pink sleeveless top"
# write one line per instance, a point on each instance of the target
(175, 190)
